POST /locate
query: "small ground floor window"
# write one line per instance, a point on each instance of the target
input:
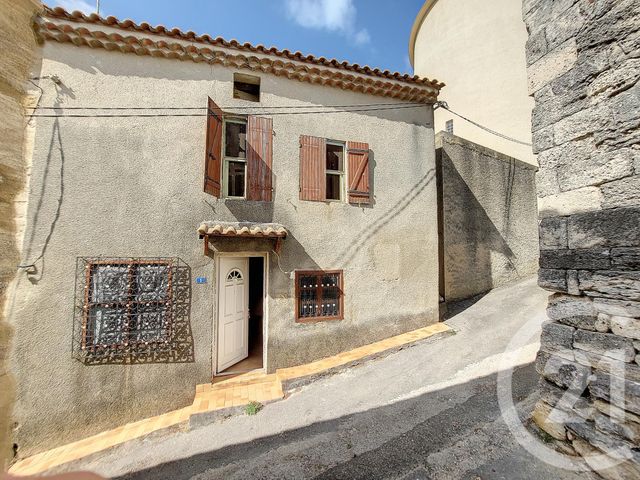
(132, 306)
(319, 295)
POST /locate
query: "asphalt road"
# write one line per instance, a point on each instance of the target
(427, 412)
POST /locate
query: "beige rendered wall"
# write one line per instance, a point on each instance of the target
(124, 187)
(477, 48)
(17, 47)
(489, 217)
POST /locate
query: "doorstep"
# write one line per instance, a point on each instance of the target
(224, 399)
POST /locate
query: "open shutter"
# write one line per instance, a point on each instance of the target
(259, 158)
(313, 163)
(213, 154)
(359, 189)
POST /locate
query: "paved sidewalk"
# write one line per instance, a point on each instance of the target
(220, 400)
(427, 412)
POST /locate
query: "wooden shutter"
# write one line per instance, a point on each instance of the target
(313, 166)
(359, 188)
(259, 158)
(213, 154)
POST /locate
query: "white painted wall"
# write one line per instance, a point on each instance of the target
(477, 48)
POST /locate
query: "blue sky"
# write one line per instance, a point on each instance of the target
(367, 32)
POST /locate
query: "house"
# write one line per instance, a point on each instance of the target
(199, 207)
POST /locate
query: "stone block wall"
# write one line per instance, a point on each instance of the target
(584, 70)
(18, 46)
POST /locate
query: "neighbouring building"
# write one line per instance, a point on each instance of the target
(487, 217)
(584, 73)
(200, 207)
(488, 208)
(18, 46)
(479, 47)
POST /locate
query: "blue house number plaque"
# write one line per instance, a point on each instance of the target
(201, 279)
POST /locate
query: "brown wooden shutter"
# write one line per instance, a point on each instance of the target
(313, 165)
(259, 158)
(213, 154)
(359, 189)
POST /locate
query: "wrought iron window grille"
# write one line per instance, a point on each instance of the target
(319, 296)
(132, 310)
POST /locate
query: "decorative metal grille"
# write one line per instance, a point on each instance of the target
(132, 310)
(319, 295)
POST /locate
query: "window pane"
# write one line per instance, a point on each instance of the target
(335, 157)
(109, 283)
(334, 192)
(236, 179)
(105, 325)
(235, 141)
(149, 323)
(307, 288)
(330, 295)
(152, 283)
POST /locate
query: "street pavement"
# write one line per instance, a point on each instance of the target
(427, 412)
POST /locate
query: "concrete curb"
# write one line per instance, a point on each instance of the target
(290, 385)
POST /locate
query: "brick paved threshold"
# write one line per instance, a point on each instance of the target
(223, 399)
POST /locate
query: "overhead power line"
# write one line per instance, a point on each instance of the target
(444, 105)
(275, 107)
(151, 115)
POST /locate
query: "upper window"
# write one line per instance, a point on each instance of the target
(126, 302)
(449, 126)
(238, 155)
(246, 87)
(235, 158)
(319, 296)
(335, 171)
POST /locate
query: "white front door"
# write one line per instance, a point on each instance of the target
(233, 311)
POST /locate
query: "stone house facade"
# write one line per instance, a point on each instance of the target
(200, 207)
(583, 73)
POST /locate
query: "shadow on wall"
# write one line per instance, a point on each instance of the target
(365, 235)
(45, 196)
(470, 240)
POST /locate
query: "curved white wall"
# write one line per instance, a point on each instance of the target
(477, 47)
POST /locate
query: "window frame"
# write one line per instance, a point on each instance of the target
(448, 126)
(92, 347)
(342, 174)
(245, 79)
(226, 160)
(318, 273)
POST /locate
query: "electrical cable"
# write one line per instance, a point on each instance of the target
(386, 104)
(501, 135)
(151, 115)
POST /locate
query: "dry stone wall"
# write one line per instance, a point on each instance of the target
(584, 70)
(18, 48)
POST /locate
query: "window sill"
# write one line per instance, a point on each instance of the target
(319, 319)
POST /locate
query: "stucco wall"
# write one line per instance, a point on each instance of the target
(133, 187)
(489, 217)
(478, 49)
(18, 47)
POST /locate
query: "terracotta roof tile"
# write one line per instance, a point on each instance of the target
(242, 229)
(76, 16)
